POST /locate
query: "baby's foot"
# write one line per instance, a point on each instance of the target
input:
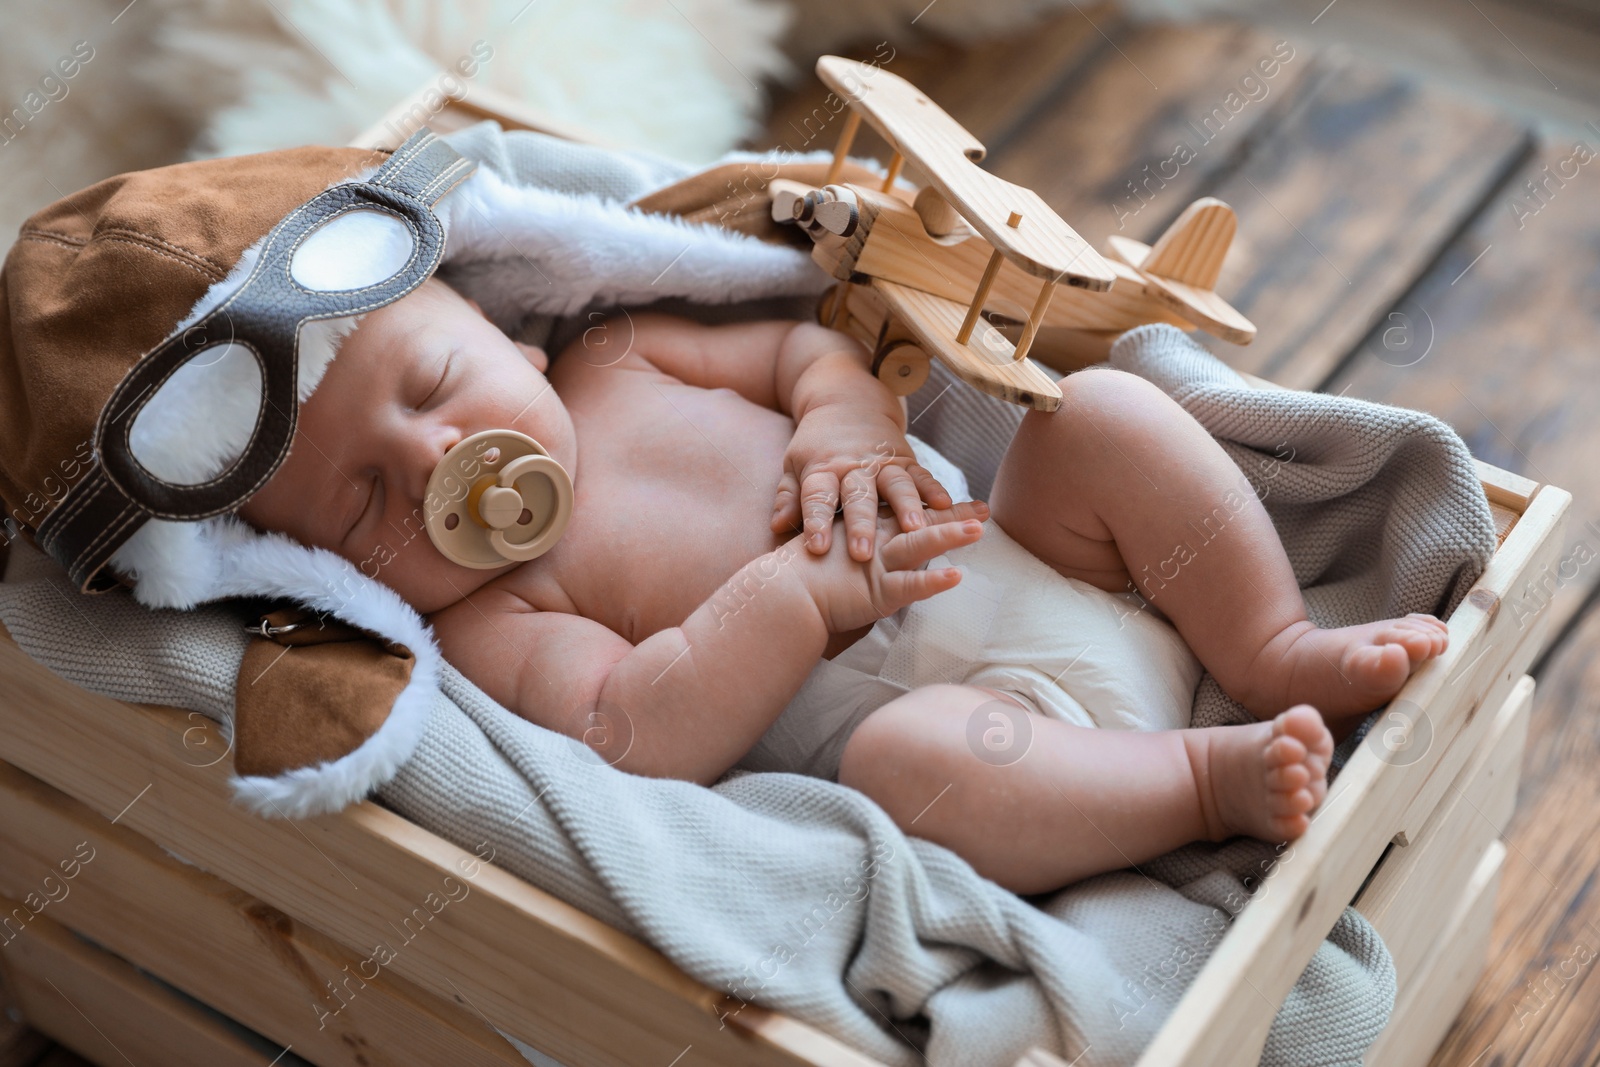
(1346, 671)
(1264, 779)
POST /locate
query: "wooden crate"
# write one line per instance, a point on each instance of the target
(280, 923)
(268, 921)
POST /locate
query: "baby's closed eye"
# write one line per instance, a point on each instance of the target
(433, 383)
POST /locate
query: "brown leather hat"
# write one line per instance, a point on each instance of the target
(98, 279)
(108, 302)
(94, 289)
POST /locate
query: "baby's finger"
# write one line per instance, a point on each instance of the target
(911, 550)
(860, 514)
(819, 499)
(898, 488)
(935, 494)
(899, 588)
(967, 509)
(786, 504)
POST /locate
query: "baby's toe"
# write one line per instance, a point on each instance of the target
(1288, 779)
(1285, 751)
(1289, 827)
(1422, 636)
(1299, 802)
(1380, 668)
(1438, 633)
(1303, 723)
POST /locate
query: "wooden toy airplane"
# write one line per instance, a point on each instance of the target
(917, 273)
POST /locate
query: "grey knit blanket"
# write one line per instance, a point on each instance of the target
(801, 895)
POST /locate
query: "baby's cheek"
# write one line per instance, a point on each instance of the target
(376, 560)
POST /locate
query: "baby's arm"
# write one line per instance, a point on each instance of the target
(782, 364)
(849, 442)
(691, 700)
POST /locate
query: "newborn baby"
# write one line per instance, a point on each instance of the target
(704, 573)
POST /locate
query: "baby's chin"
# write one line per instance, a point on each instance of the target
(431, 585)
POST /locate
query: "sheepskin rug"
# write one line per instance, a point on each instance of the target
(91, 88)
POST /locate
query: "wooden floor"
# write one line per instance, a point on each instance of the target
(1401, 240)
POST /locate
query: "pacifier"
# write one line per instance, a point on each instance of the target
(497, 497)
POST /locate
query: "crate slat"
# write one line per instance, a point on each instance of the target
(241, 956)
(102, 1007)
(1402, 900)
(1446, 978)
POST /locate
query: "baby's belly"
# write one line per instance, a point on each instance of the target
(678, 566)
(654, 535)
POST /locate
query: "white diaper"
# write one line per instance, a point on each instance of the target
(1065, 648)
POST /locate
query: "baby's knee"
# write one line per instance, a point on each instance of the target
(1106, 416)
(1112, 390)
(912, 737)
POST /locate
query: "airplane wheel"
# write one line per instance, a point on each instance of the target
(902, 366)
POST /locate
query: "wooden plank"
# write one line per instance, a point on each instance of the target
(1105, 152)
(1506, 327)
(1445, 979)
(1504, 51)
(103, 1008)
(62, 1057)
(533, 965)
(20, 1044)
(203, 936)
(1402, 900)
(1012, 218)
(988, 87)
(1539, 1000)
(1494, 635)
(1341, 207)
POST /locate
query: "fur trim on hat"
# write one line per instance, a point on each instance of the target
(517, 249)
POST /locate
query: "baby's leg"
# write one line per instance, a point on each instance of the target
(1121, 482)
(1068, 802)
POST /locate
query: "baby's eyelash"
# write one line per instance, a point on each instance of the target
(444, 372)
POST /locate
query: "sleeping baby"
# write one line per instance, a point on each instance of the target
(757, 572)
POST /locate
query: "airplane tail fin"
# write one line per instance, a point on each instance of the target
(1194, 246)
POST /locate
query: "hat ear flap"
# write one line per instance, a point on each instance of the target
(316, 710)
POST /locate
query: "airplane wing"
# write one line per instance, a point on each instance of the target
(1014, 220)
(988, 362)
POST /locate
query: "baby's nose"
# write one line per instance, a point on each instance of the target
(418, 455)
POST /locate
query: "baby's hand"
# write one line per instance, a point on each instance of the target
(841, 451)
(850, 595)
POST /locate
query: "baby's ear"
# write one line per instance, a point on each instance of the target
(536, 355)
